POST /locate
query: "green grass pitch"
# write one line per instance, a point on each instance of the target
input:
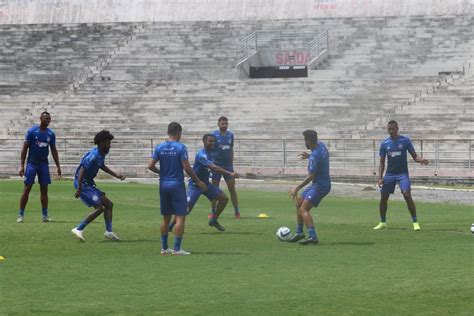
(243, 271)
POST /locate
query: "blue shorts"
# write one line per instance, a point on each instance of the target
(216, 176)
(194, 193)
(314, 194)
(390, 180)
(173, 199)
(90, 195)
(41, 169)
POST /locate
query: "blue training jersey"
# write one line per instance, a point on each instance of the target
(396, 151)
(91, 162)
(202, 161)
(223, 150)
(318, 163)
(170, 154)
(38, 144)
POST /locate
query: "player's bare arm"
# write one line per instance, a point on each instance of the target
(381, 171)
(419, 159)
(190, 172)
(152, 166)
(54, 152)
(112, 173)
(214, 167)
(24, 151)
(294, 192)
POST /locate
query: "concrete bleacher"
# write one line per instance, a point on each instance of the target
(184, 71)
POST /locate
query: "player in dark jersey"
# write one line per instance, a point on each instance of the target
(395, 148)
(86, 188)
(173, 158)
(318, 176)
(37, 142)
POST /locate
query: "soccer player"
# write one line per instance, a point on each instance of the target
(224, 158)
(318, 176)
(395, 148)
(38, 139)
(86, 188)
(203, 163)
(173, 158)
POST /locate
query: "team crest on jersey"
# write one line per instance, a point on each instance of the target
(400, 146)
(95, 198)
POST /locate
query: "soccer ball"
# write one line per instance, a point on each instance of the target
(472, 228)
(283, 233)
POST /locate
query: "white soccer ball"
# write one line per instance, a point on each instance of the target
(283, 233)
(472, 228)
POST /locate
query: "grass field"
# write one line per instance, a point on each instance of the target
(243, 271)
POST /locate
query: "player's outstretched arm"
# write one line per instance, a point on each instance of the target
(214, 167)
(54, 152)
(190, 172)
(419, 159)
(152, 166)
(112, 173)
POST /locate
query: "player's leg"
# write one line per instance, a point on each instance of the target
(299, 222)
(179, 206)
(44, 179)
(215, 194)
(165, 250)
(193, 195)
(91, 197)
(305, 213)
(166, 209)
(230, 181)
(216, 180)
(405, 187)
(29, 180)
(388, 188)
(108, 213)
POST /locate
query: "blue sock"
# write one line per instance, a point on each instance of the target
(164, 241)
(177, 243)
(44, 211)
(21, 212)
(414, 219)
(82, 225)
(383, 219)
(312, 232)
(108, 226)
(299, 229)
(236, 210)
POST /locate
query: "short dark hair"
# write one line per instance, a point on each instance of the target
(174, 128)
(393, 122)
(45, 113)
(206, 136)
(222, 118)
(101, 136)
(311, 135)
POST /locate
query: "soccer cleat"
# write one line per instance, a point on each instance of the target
(181, 252)
(46, 219)
(111, 236)
(381, 225)
(309, 241)
(296, 237)
(78, 233)
(19, 219)
(216, 225)
(237, 215)
(165, 252)
(416, 226)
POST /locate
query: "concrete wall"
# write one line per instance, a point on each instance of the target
(88, 11)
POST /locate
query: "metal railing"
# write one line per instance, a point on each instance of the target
(268, 156)
(314, 43)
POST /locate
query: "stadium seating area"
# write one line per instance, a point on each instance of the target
(141, 76)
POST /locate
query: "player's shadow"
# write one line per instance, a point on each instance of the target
(223, 253)
(349, 243)
(228, 233)
(134, 240)
(62, 222)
